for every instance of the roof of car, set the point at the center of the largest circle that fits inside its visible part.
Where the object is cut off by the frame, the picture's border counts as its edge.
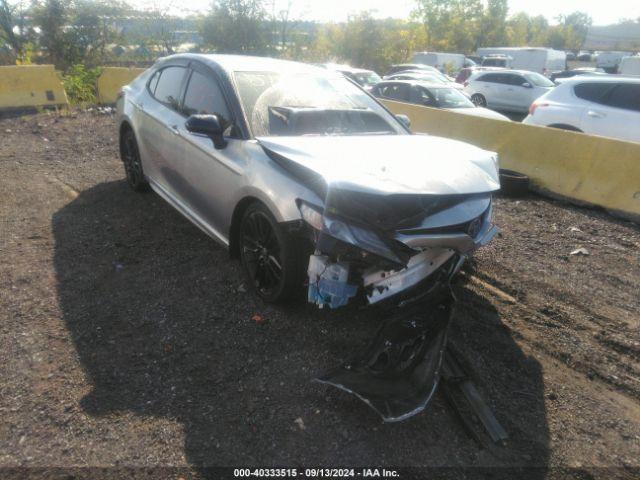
(416, 72)
(232, 63)
(354, 70)
(414, 66)
(502, 70)
(414, 82)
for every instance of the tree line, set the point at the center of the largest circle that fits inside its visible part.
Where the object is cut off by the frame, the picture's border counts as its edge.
(99, 32)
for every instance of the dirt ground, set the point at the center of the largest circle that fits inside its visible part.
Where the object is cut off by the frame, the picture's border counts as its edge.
(127, 337)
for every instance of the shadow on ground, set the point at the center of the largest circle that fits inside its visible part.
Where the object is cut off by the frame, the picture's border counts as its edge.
(164, 330)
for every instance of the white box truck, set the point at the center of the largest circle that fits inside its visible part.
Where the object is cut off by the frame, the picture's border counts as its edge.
(445, 62)
(541, 60)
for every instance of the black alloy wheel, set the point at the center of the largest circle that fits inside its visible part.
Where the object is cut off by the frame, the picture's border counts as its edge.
(130, 156)
(479, 100)
(269, 256)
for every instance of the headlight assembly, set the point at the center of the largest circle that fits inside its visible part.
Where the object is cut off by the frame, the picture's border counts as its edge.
(348, 233)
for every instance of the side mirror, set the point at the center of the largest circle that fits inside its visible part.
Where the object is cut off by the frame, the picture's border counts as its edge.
(406, 121)
(208, 125)
(526, 85)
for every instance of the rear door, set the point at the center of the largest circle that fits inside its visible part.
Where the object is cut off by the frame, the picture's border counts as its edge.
(516, 95)
(159, 118)
(617, 113)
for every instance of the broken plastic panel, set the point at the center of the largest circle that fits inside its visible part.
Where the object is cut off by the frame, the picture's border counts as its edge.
(398, 373)
(328, 282)
(382, 284)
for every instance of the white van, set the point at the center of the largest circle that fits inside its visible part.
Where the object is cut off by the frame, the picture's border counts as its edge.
(610, 61)
(630, 66)
(540, 60)
(442, 61)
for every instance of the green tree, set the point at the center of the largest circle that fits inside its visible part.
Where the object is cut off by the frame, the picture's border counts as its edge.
(52, 16)
(236, 26)
(574, 28)
(91, 30)
(493, 32)
(15, 31)
(450, 25)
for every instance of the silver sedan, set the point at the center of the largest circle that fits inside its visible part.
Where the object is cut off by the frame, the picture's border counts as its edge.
(305, 177)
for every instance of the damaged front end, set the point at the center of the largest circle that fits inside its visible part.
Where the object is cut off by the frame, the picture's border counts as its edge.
(390, 210)
(406, 264)
(391, 233)
(376, 249)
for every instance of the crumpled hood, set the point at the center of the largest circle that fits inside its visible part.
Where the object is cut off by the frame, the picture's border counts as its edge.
(392, 164)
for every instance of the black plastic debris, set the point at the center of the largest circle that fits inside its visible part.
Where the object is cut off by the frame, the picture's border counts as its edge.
(399, 372)
(463, 396)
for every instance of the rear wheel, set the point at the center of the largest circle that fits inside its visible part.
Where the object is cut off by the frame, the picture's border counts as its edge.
(130, 156)
(269, 256)
(479, 100)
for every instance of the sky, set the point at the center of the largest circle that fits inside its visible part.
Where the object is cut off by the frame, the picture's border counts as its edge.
(603, 12)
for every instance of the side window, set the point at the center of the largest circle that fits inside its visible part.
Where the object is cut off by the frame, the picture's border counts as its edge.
(625, 95)
(517, 80)
(593, 92)
(168, 86)
(154, 82)
(422, 96)
(396, 92)
(494, 62)
(493, 78)
(204, 96)
(383, 90)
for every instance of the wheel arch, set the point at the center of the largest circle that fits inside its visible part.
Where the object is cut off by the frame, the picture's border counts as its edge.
(236, 218)
(125, 126)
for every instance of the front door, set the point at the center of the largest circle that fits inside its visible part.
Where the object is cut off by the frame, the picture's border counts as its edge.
(211, 176)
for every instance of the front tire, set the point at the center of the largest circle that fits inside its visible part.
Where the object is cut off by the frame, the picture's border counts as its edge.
(269, 255)
(479, 100)
(130, 156)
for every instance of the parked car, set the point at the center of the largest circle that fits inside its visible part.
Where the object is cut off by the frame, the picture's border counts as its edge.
(556, 76)
(425, 76)
(432, 95)
(301, 173)
(540, 60)
(365, 78)
(607, 106)
(584, 56)
(403, 67)
(499, 61)
(510, 90)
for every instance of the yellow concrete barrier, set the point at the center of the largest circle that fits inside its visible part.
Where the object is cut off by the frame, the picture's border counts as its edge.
(112, 79)
(584, 168)
(30, 86)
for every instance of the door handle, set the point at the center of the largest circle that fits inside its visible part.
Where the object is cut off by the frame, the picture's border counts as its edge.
(140, 105)
(594, 114)
(174, 129)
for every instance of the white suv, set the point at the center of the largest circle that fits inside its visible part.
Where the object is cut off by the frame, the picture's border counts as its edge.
(511, 90)
(606, 106)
